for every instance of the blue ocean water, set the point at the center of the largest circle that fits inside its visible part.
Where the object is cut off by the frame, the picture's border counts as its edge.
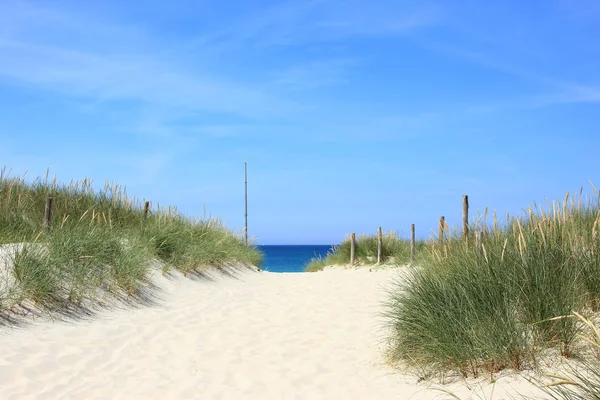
(290, 258)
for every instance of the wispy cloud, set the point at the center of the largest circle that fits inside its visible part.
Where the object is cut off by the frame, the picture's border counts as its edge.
(99, 71)
(316, 74)
(67, 51)
(300, 22)
(533, 55)
(572, 94)
(133, 77)
(571, 91)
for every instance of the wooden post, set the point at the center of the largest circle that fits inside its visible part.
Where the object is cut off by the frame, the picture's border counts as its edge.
(352, 248)
(466, 217)
(146, 209)
(441, 229)
(379, 244)
(48, 213)
(412, 243)
(246, 203)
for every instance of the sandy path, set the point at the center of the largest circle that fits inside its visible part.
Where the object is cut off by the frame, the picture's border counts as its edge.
(257, 336)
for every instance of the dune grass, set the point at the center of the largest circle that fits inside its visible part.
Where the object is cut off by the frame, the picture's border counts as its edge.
(319, 263)
(75, 262)
(579, 380)
(394, 251)
(472, 308)
(100, 240)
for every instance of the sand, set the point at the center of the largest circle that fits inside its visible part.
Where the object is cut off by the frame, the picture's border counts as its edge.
(255, 335)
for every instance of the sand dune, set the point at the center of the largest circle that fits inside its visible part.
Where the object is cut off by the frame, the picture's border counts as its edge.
(253, 336)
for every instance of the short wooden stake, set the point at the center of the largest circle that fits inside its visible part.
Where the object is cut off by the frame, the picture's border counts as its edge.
(466, 217)
(146, 209)
(48, 213)
(412, 243)
(441, 229)
(379, 244)
(352, 248)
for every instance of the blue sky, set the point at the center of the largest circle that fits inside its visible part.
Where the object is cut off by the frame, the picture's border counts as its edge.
(350, 113)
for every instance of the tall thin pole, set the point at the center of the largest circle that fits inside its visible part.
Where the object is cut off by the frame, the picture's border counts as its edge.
(246, 201)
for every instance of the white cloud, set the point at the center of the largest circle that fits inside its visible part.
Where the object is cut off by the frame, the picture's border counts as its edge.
(83, 57)
(136, 77)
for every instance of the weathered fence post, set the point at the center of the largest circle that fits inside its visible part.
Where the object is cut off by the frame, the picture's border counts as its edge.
(466, 217)
(146, 209)
(352, 248)
(441, 229)
(379, 244)
(48, 213)
(412, 243)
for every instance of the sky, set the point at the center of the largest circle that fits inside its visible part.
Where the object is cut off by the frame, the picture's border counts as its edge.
(351, 114)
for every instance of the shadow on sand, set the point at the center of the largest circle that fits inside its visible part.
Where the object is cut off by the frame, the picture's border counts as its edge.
(58, 308)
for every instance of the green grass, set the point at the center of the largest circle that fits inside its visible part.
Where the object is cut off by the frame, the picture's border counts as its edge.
(472, 309)
(394, 251)
(319, 263)
(74, 263)
(100, 241)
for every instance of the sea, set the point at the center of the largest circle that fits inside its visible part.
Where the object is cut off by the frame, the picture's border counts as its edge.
(290, 258)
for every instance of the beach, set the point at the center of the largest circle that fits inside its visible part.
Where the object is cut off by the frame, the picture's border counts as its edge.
(240, 335)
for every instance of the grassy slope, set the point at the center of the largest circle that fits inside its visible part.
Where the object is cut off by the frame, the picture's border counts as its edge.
(394, 250)
(100, 240)
(472, 309)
